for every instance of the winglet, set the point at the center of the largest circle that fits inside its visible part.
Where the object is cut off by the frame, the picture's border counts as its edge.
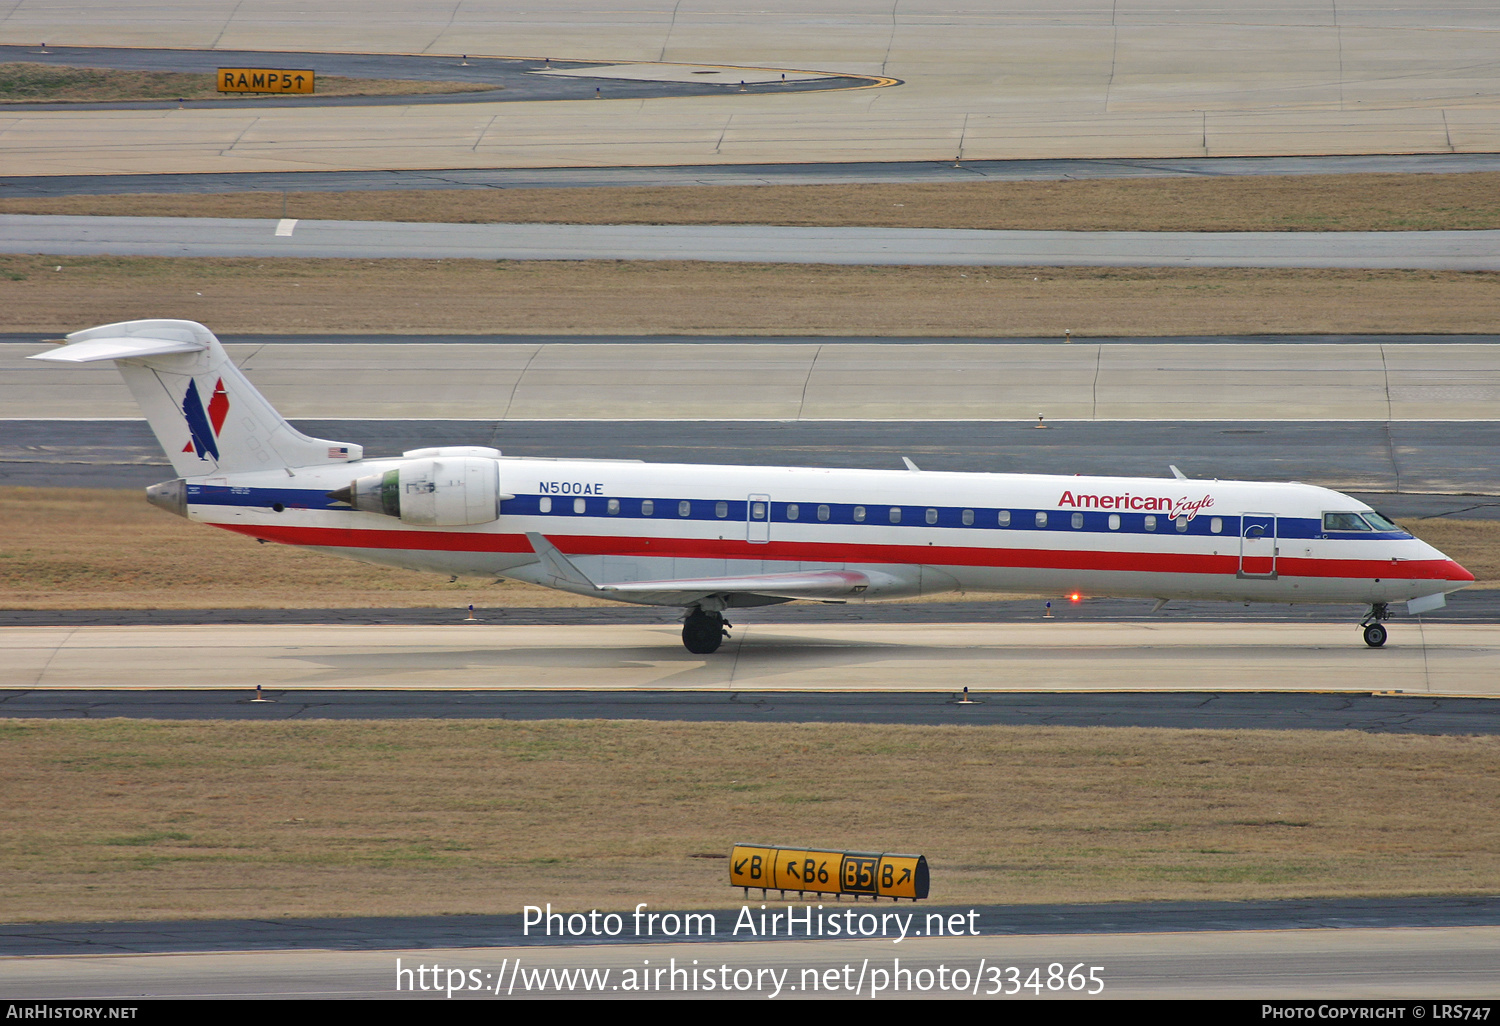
(557, 564)
(1179, 475)
(910, 465)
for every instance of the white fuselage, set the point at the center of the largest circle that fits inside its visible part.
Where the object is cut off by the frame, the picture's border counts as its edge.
(910, 532)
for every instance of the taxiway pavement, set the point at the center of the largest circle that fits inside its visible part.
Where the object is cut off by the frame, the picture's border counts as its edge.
(917, 381)
(1436, 963)
(76, 235)
(848, 173)
(1426, 658)
(1008, 79)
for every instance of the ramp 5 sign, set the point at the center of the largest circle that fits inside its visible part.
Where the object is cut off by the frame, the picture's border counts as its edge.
(264, 80)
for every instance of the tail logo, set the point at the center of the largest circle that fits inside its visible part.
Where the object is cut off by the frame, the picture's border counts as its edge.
(204, 425)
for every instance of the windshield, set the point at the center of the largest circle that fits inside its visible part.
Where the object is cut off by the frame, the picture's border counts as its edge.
(1381, 523)
(1344, 522)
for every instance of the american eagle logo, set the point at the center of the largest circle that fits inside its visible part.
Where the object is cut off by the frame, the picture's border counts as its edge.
(203, 424)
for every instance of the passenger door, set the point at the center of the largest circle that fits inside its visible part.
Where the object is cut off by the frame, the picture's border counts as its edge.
(758, 519)
(1257, 546)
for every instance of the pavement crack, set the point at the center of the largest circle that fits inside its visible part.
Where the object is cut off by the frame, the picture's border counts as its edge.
(222, 28)
(516, 385)
(444, 30)
(891, 40)
(668, 37)
(722, 133)
(802, 402)
(253, 122)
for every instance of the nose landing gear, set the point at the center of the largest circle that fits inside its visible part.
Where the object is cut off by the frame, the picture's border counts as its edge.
(1375, 632)
(703, 631)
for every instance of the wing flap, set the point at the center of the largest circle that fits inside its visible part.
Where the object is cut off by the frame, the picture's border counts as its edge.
(825, 584)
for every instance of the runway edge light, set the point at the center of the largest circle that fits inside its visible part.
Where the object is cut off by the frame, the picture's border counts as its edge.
(821, 871)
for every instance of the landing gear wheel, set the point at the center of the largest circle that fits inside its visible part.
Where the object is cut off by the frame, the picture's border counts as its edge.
(703, 633)
(1374, 635)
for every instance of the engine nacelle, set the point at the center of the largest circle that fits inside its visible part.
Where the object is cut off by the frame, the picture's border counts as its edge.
(446, 492)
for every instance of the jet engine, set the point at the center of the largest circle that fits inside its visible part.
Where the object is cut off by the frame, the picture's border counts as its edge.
(445, 492)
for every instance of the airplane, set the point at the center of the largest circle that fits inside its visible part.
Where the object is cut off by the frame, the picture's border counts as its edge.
(708, 539)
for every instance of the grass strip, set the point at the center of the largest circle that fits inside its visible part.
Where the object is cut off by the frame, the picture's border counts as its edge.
(55, 295)
(135, 819)
(1262, 203)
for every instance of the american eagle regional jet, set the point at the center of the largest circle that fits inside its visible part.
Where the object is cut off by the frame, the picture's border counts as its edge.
(708, 538)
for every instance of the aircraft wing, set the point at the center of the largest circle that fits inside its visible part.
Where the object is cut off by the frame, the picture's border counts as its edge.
(807, 584)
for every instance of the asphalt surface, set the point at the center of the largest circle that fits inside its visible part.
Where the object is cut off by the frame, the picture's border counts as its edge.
(465, 931)
(1377, 714)
(513, 79)
(75, 235)
(1468, 606)
(1061, 169)
(1402, 468)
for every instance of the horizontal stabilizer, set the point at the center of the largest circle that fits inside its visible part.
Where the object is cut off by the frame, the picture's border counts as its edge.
(120, 348)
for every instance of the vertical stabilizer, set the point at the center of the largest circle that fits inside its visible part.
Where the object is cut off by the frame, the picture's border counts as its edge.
(204, 412)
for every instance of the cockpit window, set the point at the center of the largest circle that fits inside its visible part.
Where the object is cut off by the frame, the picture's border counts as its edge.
(1381, 523)
(1344, 522)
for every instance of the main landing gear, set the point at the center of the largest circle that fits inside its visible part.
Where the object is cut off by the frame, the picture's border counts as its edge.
(703, 632)
(1375, 633)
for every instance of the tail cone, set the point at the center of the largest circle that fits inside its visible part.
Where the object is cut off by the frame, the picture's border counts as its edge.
(344, 495)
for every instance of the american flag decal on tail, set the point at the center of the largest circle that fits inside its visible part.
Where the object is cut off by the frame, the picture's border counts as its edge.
(338, 452)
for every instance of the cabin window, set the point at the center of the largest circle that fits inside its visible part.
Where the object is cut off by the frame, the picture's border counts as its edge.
(1005, 518)
(757, 511)
(544, 504)
(612, 506)
(580, 505)
(1344, 522)
(1182, 523)
(1216, 525)
(1041, 519)
(895, 514)
(1077, 521)
(1150, 522)
(968, 518)
(792, 512)
(1114, 521)
(648, 508)
(822, 512)
(721, 509)
(859, 514)
(684, 508)
(932, 516)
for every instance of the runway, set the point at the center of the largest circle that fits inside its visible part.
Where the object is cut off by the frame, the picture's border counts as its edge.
(845, 173)
(1428, 657)
(1379, 964)
(73, 235)
(913, 381)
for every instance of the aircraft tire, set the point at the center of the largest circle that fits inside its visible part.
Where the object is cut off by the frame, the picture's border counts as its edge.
(703, 633)
(1375, 635)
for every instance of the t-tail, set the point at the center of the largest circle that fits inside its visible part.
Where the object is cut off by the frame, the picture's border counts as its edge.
(207, 416)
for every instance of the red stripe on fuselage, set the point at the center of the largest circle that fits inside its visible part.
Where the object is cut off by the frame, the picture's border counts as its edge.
(832, 552)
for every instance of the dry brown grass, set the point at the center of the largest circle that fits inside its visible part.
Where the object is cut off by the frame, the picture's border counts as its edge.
(27, 82)
(78, 548)
(1362, 202)
(667, 297)
(129, 819)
